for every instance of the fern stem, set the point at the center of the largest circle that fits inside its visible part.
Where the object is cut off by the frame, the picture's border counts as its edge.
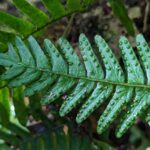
(68, 28)
(89, 79)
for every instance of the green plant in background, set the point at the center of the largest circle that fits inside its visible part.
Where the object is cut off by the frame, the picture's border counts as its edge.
(52, 139)
(36, 19)
(48, 70)
(121, 13)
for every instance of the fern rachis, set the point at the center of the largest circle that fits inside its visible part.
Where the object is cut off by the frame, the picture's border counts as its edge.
(58, 73)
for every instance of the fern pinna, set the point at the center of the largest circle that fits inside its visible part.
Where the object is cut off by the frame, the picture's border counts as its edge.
(60, 70)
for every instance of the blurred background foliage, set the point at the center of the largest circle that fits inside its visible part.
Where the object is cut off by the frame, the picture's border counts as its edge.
(24, 123)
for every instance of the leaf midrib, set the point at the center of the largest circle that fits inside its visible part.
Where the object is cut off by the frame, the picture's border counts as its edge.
(87, 78)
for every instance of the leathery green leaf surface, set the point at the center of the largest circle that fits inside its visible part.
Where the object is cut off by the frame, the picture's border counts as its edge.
(60, 71)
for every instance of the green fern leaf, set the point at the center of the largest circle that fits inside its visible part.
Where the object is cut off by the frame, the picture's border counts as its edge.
(36, 16)
(49, 140)
(73, 4)
(55, 7)
(35, 19)
(59, 70)
(20, 26)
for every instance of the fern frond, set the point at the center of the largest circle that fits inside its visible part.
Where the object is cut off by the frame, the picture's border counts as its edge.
(35, 19)
(51, 139)
(60, 70)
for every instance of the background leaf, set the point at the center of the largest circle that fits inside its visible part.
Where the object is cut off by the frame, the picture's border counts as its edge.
(20, 105)
(4, 106)
(120, 11)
